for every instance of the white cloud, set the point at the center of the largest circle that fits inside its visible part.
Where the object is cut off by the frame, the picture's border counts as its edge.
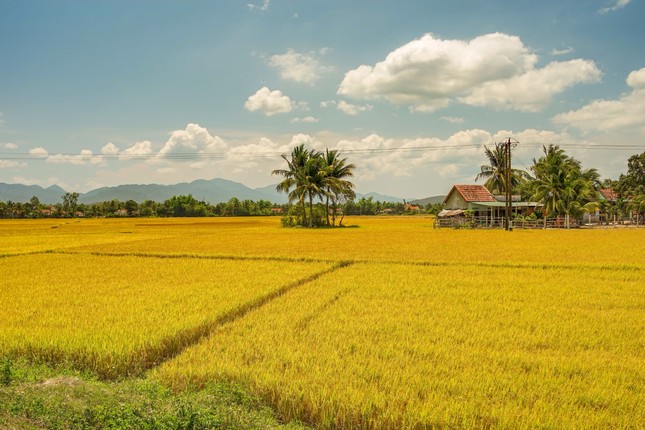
(452, 119)
(193, 140)
(626, 113)
(86, 156)
(10, 164)
(10, 145)
(534, 89)
(110, 149)
(563, 51)
(429, 73)
(305, 68)
(352, 109)
(138, 149)
(268, 102)
(307, 119)
(616, 4)
(262, 7)
(39, 152)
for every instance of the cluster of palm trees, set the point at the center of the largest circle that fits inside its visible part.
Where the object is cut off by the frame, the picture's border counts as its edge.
(316, 176)
(557, 180)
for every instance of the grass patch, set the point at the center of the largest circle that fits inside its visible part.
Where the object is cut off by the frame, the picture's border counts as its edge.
(40, 396)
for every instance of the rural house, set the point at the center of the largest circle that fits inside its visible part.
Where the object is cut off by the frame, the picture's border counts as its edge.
(487, 209)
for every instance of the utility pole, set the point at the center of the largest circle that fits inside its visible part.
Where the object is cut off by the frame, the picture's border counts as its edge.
(509, 188)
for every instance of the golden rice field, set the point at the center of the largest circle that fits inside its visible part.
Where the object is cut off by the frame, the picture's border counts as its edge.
(391, 324)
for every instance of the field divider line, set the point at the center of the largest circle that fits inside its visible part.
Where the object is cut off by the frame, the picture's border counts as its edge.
(174, 345)
(492, 265)
(543, 266)
(198, 256)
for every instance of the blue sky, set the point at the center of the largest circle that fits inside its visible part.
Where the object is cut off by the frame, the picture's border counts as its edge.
(101, 93)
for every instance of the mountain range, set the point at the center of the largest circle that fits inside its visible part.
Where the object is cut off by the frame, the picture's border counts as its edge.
(212, 191)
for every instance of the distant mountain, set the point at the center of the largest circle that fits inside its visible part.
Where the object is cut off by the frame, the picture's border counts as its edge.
(428, 200)
(212, 191)
(23, 193)
(380, 197)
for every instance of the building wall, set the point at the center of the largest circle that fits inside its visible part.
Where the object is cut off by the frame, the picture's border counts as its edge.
(456, 201)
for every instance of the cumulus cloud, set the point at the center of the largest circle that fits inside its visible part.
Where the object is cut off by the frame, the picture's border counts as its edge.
(138, 150)
(268, 102)
(86, 156)
(39, 152)
(110, 149)
(533, 90)
(10, 145)
(352, 109)
(430, 73)
(192, 140)
(626, 113)
(616, 4)
(299, 67)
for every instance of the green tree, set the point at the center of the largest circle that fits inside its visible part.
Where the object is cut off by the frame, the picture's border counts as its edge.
(70, 203)
(337, 187)
(293, 181)
(495, 171)
(312, 175)
(561, 184)
(633, 182)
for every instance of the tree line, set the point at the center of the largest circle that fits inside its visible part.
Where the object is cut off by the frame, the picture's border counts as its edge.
(176, 206)
(565, 188)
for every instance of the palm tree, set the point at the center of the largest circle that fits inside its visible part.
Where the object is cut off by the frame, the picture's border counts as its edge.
(336, 186)
(293, 177)
(314, 181)
(561, 185)
(495, 171)
(637, 205)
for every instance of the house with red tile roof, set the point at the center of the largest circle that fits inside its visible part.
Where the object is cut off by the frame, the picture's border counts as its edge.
(608, 194)
(486, 207)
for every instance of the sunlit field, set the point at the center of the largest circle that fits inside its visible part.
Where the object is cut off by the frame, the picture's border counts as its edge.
(386, 324)
(120, 315)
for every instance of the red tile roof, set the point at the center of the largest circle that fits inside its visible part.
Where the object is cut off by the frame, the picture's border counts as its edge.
(608, 194)
(473, 193)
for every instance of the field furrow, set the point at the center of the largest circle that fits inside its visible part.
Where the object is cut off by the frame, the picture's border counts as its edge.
(398, 346)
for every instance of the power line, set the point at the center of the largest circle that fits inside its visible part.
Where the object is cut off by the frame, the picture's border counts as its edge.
(24, 156)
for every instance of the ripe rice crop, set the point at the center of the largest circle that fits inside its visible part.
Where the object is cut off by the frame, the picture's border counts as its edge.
(390, 346)
(388, 324)
(385, 239)
(119, 315)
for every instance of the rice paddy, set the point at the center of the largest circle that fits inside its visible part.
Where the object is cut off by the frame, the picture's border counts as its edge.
(391, 324)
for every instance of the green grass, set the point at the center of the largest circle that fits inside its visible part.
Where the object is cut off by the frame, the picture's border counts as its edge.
(40, 396)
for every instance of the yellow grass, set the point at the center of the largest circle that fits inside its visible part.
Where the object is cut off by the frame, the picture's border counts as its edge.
(397, 346)
(118, 315)
(424, 328)
(390, 239)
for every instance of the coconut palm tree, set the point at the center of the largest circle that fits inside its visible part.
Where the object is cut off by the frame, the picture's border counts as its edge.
(293, 177)
(495, 171)
(561, 185)
(336, 185)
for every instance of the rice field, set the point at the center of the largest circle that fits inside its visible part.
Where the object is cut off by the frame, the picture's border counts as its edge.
(388, 324)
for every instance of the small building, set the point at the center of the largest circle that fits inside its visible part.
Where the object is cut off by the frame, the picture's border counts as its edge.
(487, 209)
(608, 194)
